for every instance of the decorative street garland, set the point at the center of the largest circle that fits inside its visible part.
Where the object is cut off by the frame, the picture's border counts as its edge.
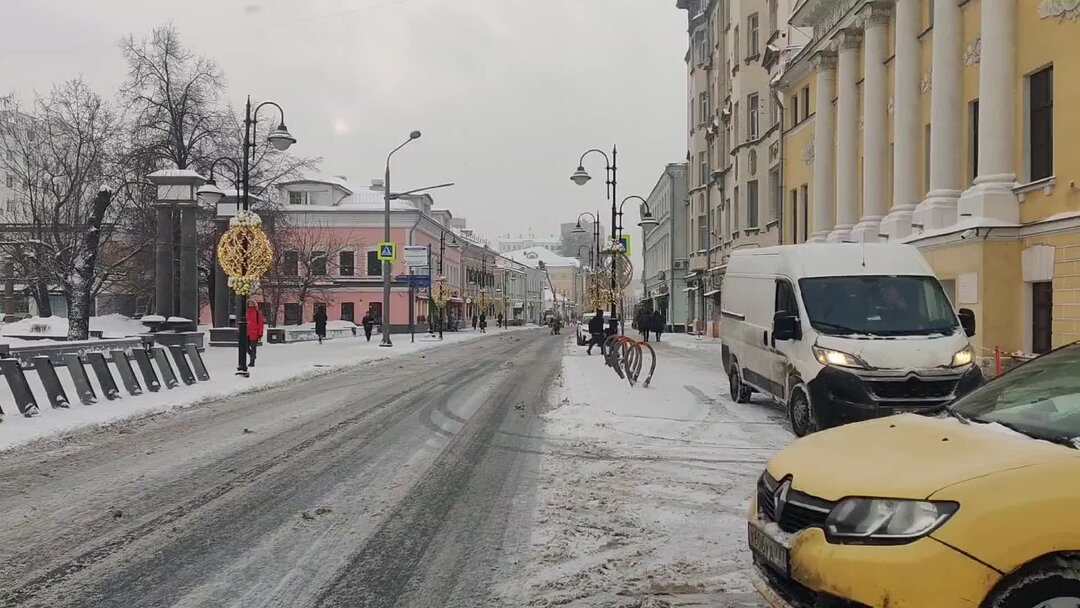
(245, 253)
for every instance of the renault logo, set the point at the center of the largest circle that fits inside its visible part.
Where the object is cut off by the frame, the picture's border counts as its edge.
(780, 499)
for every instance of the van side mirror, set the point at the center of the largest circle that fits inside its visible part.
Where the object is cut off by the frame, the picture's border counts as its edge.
(786, 326)
(967, 321)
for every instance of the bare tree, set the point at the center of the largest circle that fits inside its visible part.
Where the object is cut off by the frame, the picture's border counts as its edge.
(306, 258)
(64, 155)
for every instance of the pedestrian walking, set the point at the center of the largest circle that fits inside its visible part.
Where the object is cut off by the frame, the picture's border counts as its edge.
(369, 324)
(659, 323)
(475, 322)
(483, 323)
(320, 322)
(596, 333)
(256, 323)
(643, 323)
(499, 320)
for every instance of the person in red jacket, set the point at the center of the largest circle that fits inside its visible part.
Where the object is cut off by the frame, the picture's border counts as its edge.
(255, 325)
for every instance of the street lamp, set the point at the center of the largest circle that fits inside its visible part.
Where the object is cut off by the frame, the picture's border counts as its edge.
(581, 177)
(647, 219)
(388, 266)
(442, 252)
(281, 139)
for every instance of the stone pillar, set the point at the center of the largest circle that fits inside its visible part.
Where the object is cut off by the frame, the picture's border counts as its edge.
(847, 135)
(875, 122)
(946, 106)
(907, 152)
(176, 190)
(992, 195)
(824, 146)
(9, 291)
(222, 292)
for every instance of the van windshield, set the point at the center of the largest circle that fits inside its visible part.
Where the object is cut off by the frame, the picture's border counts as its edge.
(878, 305)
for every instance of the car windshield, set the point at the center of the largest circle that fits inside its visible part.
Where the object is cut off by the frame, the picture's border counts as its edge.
(1040, 398)
(878, 305)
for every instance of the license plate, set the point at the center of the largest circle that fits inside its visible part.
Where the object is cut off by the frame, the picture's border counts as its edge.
(768, 549)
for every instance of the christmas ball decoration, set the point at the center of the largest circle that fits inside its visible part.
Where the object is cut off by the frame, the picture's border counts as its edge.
(245, 253)
(441, 293)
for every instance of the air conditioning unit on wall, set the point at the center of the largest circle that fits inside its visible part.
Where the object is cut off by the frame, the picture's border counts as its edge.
(680, 265)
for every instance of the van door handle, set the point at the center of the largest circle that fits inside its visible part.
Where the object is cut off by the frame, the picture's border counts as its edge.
(765, 337)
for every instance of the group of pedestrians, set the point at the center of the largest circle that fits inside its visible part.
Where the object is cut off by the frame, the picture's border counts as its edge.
(654, 322)
(480, 321)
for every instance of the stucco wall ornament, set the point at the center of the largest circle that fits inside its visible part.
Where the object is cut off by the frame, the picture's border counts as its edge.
(892, 106)
(973, 53)
(926, 83)
(808, 154)
(1060, 9)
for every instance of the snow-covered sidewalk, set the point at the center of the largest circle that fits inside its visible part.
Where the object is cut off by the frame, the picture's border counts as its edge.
(643, 492)
(276, 364)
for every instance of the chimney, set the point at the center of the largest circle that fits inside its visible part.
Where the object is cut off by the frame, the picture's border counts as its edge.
(377, 184)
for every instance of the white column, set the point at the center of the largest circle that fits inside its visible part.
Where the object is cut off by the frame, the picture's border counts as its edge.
(824, 146)
(992, 195)
(938, 209)
(906, 124)
(875, 122)
(847, 135)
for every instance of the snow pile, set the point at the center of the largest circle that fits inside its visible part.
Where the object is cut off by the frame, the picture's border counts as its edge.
(276, 364)
(111, 326)
(643, 492)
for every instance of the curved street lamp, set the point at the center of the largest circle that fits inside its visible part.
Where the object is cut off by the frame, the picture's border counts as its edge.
(388, 266)
(581, 177)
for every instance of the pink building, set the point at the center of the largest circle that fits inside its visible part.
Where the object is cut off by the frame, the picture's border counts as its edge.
(328, 236)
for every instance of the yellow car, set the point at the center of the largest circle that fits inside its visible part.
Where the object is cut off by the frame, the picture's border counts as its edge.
(979, 506)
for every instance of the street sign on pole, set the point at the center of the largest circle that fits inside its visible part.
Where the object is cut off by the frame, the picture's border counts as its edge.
(387, 252)
(416, 255)
(625, 239)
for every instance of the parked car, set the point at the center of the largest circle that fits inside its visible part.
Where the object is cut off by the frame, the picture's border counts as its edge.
(977, 506)
(843, 332)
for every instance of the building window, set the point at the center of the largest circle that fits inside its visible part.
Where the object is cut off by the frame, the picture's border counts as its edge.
(735, 225)
(10, 180)
(703, 100)
(347, 263)
(795, 216)
(774, 20)
(1041, 124)
(806, 102)
(735, 119)
(752, 204)
(776, 195)
(926, 158)
(294, 313)
(296, 198)
(973, 140)
(727, 220)
(703, 233)
(292, 264)
(703, 169)
(318, 263)
(752, 35)
(804, 195)
(795, 110)
(735, 46)
(348, 311)
(1042, 316)
(374, 265)
(752, 106)
(11, 205)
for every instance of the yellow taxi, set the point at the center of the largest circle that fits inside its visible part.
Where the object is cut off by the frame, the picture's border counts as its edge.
(978, 506)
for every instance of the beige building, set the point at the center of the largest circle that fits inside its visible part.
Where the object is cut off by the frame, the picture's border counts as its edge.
(735, 176)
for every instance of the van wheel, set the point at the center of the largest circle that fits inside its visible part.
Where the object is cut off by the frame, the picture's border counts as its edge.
(739, 391)
(803, 419)
(1053, 582)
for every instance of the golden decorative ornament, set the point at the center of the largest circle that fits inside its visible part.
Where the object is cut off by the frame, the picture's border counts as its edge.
(245, 254)
(441, 293)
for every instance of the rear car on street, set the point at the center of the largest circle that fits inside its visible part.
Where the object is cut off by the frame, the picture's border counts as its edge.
(978, 506)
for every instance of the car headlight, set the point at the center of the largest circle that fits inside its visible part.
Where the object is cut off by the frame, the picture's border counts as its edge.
(828, 356)
(885, 521)
(963, 357)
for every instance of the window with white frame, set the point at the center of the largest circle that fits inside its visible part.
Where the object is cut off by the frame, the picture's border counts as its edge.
(753, 34)
(752, 204)
(703, 169)
(296, 198)
(1040, 124)
(753, 103)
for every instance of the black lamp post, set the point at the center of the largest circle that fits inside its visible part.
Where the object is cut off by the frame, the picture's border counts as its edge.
(647, 219)
(595, 259)
(442, 252)
(281, 139)
(581, 177)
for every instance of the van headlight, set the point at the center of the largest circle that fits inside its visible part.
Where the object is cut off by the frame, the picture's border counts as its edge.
(885, 521)
(836, 358)
(963, 357)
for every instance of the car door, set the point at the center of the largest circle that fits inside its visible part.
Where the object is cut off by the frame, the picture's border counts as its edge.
(776, 351)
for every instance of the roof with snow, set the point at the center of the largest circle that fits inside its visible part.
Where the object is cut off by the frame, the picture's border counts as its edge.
(532, 257)
(331, 180)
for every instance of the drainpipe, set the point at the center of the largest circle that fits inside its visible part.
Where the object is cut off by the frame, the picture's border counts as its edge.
(783, 188)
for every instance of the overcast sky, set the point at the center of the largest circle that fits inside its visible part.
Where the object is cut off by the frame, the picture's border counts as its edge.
(507, 93)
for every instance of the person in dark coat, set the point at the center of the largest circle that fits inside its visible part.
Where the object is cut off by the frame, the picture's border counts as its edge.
(483, 323)
(475, 322)
(659, 322)
(644, 323)
(596, 332)
(499, 320)
(256, 323)
(320, 323)
(369, 324)
(613, 328)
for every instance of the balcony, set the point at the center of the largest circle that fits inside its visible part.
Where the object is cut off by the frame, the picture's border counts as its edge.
(698, 261)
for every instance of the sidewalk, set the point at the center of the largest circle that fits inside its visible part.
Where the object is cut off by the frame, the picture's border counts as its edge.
(276, 364)
(643, 492)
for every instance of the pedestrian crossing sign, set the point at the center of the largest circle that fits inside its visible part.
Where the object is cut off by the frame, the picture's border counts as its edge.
(387, 252)
(625, 240)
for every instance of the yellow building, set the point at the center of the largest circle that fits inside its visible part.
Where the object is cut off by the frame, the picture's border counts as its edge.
(929, 122)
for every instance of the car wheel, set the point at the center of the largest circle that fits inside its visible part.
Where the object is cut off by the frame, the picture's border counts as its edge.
(803, 418)
(740, 393)
(1053, 582)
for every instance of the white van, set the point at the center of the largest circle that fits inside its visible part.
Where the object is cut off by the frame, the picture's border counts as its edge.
(841, 332)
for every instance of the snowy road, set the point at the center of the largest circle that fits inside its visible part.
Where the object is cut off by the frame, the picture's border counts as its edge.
(401, 483)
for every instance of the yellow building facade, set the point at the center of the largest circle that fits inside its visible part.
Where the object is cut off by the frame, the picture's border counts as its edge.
(939, 123)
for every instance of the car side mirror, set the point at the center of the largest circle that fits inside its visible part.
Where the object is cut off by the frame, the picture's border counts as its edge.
(967, 321)
(786, 326)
